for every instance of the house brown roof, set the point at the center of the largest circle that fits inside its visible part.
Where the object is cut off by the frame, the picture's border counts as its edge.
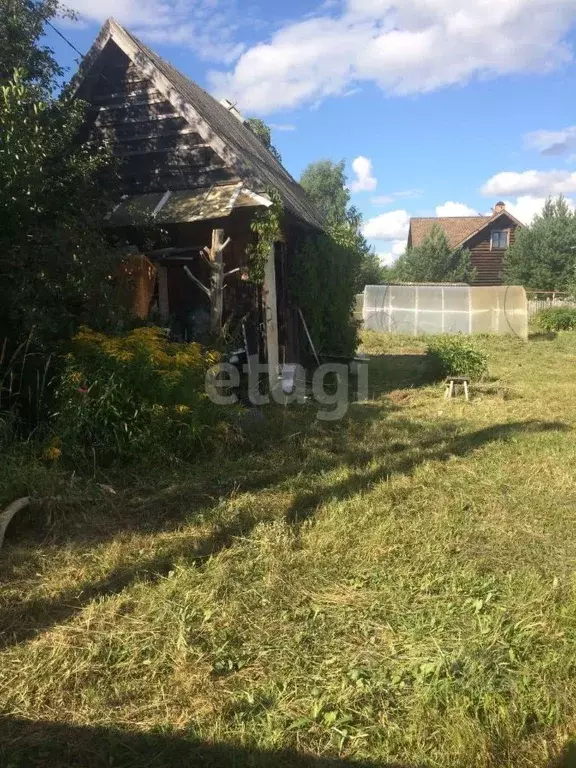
(457, 228)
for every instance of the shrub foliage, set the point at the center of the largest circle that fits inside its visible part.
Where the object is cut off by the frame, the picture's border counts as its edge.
(123, 396)
(557, 319)
(322, 282)
(456, 356)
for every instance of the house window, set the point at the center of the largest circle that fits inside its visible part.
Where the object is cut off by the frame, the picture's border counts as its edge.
(499, 239)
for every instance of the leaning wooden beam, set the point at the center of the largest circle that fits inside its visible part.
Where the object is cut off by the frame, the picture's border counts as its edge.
(198, 282)
(8, 514)
(173, 251)
(309, 337)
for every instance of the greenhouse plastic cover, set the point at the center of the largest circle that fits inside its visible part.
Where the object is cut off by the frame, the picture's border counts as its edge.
(431, 309)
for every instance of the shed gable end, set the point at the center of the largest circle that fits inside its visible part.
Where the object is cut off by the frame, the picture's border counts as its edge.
(158, 148)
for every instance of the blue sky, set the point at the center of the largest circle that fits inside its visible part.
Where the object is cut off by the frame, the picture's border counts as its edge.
(438, 106)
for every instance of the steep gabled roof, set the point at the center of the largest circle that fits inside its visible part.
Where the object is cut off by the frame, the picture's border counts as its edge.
(458, 229)
(233, 141)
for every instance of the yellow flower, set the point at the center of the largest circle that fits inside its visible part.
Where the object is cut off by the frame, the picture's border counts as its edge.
(182, 409)
(52, 453)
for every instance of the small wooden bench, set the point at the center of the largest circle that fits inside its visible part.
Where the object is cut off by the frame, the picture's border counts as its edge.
(452, 382)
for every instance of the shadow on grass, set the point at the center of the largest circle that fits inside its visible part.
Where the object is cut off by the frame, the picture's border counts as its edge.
(31, 744)
(405, 446)
(542, 336)
(568, 757)
(403, 459)
(391, 372)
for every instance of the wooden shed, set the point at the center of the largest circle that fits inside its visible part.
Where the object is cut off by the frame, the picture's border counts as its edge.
(192, 169)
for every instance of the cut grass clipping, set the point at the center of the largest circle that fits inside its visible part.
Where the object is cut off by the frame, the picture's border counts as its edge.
(396, 588)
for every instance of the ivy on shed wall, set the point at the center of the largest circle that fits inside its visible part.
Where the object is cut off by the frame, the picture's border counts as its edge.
(267, 229)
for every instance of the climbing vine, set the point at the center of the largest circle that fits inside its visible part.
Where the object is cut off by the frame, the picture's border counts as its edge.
(266, 227)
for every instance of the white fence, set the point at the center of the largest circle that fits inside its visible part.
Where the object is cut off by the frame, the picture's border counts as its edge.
(539, 300)
(429, 309)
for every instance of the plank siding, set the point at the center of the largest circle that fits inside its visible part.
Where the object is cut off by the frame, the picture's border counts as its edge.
(156, 147)
(489, 264)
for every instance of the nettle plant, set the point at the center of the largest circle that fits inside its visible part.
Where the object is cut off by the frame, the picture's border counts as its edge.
(456, 356)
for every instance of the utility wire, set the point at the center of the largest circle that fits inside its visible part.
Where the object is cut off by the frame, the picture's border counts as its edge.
(65, 39)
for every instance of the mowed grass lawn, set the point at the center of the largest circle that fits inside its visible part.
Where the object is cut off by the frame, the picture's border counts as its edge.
(397, 588)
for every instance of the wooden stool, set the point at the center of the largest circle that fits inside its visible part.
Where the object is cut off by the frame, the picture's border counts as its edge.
(454, 381)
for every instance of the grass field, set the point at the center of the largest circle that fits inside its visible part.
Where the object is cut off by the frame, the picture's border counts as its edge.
(395, 589)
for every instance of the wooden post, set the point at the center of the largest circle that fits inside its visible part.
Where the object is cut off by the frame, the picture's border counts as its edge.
(271, 317)
(217, 280)
(163, 302)
(216, 290)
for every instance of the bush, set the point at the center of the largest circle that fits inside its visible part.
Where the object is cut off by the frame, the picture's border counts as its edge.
(557, 319)
(121, 397)
(456, 356)
(322, 282)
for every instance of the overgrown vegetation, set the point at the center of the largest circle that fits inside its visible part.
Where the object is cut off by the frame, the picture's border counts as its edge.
(266, 228)
(264, 133)
(456, 356)
(557, 319)
(125, 397)
(434, 261)
(322, 284)
(56, 267)
(394, 588)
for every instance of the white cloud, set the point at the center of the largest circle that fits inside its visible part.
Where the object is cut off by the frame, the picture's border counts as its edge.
(552, 142)
(205, 26)
(455, 209)
(535, 183)
(282, 126)
(387, 199)
(404, 47)
(393, 225)
(364, 181)
(389, 257)
(526, 207)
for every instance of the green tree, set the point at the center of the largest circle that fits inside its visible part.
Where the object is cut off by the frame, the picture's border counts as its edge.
(435, 262)
(325, 183)
(543, 255)
(264, 133)
(22, 25)
(56, 267)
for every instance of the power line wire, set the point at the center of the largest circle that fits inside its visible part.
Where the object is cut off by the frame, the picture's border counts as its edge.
(65, 39)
